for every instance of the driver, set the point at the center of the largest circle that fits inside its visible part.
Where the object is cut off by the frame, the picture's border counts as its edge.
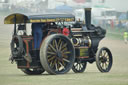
(37, 34)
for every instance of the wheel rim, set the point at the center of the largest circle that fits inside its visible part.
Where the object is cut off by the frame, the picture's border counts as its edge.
(104, 61)
(79, 67)
(59, 54)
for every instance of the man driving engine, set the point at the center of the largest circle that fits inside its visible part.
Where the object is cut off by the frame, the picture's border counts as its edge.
(37, 34)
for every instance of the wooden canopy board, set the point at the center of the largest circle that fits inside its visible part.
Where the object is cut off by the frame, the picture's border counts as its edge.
(22, 18)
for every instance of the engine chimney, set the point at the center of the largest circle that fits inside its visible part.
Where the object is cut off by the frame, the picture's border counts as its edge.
(88, 17)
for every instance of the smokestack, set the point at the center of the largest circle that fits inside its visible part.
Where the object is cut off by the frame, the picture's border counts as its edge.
(88, 17)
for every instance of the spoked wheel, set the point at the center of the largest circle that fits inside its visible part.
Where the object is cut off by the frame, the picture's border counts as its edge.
(79, 66)
(57, 54)
(104, 60)
(33, 71)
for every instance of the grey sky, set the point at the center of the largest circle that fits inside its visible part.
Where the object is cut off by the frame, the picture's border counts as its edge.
(120, 5)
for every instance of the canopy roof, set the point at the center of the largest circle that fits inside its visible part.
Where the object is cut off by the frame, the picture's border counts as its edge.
(27, 18)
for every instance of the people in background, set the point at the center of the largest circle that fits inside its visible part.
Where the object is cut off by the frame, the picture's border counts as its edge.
(125, 37)
(112, 24)
(120, 24)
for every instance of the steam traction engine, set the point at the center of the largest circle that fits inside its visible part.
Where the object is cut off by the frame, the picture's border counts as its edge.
(63, 48)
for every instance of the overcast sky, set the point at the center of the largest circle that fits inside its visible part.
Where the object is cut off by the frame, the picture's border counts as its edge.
(120, 5)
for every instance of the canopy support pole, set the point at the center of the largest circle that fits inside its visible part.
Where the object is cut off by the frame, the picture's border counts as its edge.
(15, 24)
(25, 26)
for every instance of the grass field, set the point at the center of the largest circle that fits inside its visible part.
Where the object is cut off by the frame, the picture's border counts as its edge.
(10, 75)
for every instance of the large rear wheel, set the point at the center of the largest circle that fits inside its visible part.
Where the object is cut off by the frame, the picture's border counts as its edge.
(57, 54)
(33, 71)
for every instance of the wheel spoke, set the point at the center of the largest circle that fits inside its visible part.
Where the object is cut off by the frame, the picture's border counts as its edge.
(100, 62)
(64, 45)
(66, 60)
(108, 57)
(80, 67)
(51, 64)
(105, 54)
(54, 63)
(56, 45)
(52, 53)
(102, 65)
(65, 56)
(100, 58)
(107, 61)
(63, 63)
(60, 46)
(106, 65)
(76, 65)
(82, 64)
(67, 52)
(52, 47)
(56, 67)
(59, 42)
(65, 49)
(61, 66)
(51, 58)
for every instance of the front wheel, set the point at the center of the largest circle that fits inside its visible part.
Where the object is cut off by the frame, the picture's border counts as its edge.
(104, 59)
